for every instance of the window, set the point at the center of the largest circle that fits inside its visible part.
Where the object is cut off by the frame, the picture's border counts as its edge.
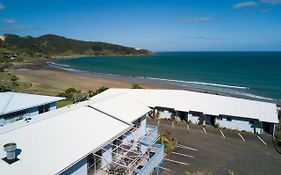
(44, 108)
(228, 119)
(15, 116)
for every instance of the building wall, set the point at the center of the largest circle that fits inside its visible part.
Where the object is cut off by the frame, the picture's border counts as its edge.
(238, 123)
(196, 119)
(137, 134)
(80, 168)
(241, 124)
(164, 114)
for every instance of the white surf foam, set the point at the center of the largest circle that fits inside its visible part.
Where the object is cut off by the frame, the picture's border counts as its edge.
(199, 83)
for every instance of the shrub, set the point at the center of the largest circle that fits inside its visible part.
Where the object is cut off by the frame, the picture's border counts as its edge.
(136, 86)
(167, 141)
(100, 90)
(69, 93)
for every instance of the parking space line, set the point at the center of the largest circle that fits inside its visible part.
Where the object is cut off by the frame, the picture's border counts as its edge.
(262, 140)
(204, 130)
(222, 133)
(185, 155)
(182, 163)
(241, 136)
(164, 168)
(186, 147)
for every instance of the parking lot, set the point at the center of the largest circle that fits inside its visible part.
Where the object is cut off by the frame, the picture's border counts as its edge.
(218, 151)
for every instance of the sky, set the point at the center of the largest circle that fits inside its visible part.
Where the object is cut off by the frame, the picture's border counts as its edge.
(157, 25)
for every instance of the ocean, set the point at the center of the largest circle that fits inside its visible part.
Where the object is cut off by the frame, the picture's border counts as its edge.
(253, 74)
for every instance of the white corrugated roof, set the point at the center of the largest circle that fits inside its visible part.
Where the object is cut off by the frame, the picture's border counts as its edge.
(14, 101)
(54, 142)
(211, 104)
(123, 107)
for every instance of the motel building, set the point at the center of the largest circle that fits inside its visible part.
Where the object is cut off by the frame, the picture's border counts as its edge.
(16, 106)
(96, 137)
(108, 134)
(206, 109)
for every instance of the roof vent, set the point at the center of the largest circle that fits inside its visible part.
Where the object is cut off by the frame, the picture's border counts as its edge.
(10, 149)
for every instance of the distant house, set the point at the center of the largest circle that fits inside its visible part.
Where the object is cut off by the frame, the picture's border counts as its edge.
(16, 106)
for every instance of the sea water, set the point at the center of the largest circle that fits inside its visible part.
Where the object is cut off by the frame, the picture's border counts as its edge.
(256, 74)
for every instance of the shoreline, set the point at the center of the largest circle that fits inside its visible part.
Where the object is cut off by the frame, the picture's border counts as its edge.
(49, 80)
(62, 57)
(45, 76)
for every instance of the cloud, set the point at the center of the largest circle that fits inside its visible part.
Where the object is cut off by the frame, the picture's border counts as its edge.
(9, 21)
(273, 2)
(2, 6)
(246, 4)
(196, 20)
(14, 28)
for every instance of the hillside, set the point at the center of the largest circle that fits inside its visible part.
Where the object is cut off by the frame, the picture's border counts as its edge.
(49, 46)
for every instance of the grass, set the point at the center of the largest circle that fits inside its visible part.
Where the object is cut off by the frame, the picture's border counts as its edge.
(5, 50)
(10, 81)
(64, 102)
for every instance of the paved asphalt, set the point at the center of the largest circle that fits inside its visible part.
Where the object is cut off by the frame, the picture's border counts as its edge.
(211, 151)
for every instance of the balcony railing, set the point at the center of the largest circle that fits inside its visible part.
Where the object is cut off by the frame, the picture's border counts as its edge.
(156, 158)
(151, 135)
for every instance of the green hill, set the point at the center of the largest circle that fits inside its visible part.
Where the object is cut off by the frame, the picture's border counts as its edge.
(48, 46)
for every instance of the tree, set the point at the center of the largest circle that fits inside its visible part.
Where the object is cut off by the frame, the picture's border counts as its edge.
(70, 93)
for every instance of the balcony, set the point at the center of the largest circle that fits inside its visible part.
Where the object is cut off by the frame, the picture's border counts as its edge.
(156, 156)
(151, 135)
(136, 157)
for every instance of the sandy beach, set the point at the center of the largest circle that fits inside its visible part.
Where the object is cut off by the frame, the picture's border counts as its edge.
(49, 80)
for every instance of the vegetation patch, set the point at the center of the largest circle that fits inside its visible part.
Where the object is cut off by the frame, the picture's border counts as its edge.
(73, 95)
(50, 46)
(168, 142)
(10, 82)
(137, 86)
